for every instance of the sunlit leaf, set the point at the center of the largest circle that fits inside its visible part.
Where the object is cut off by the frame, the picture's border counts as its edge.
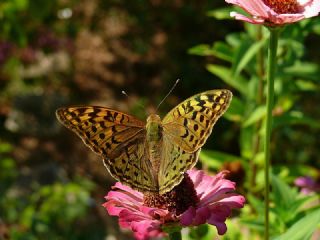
(215, 159)
(255, 116)
(235, 111)
(201, 50)
(220, 13)
(247, 56)
(303, 229)
(283, 196)
(223, 51)
(295, 118)
(225, 74)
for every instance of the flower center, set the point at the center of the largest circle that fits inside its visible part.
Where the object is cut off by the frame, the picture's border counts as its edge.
(284, 6)
(178, 200)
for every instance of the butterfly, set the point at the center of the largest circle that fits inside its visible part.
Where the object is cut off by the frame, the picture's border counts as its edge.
(152, 156)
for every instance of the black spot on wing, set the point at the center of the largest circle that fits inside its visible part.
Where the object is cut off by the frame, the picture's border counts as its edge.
(73, 114)
(122, 118)
(108, 145)
(185, 122)
(94, 129)
(194, 115)
(186, 134)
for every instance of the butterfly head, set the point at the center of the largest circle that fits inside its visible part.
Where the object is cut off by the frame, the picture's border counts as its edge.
(154, 118)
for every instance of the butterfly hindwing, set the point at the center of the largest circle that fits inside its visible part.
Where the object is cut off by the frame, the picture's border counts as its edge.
(119, 138)
(175, 161)
(130, 165)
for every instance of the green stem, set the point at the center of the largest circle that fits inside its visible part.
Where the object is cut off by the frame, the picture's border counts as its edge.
(175, 236)
(256, 143)
(271, 70)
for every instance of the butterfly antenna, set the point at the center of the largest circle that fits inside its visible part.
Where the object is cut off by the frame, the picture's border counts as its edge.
(124, 93)
(174, 85)
(139, 104)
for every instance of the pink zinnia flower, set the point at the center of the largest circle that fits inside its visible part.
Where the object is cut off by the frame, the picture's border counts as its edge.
(276, 12)
(197, 200)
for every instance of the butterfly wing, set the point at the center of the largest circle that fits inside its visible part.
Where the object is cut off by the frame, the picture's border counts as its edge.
(190, 123)
(119, 138)
(174, 162)
(185, 129)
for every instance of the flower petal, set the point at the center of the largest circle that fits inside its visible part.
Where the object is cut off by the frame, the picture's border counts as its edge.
(186, 218)
(216, 201)
(312, 9)
(261, 13)
(241, 17)
(143, 230)
(255, 8)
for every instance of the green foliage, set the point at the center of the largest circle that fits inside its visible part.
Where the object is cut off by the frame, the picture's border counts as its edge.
(303, 228)
(214, 159)
(288, 209)
(51, 210)
(240, 62)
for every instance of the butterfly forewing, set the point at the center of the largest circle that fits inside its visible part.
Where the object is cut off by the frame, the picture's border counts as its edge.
(185, 129)
(119, 138)
(190, 123)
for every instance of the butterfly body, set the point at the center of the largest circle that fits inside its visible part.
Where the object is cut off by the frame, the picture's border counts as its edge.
(151, 156)
(154, 143)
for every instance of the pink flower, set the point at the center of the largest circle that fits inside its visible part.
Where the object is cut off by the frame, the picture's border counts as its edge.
(308, 184)
(276, 12)
(214, 203)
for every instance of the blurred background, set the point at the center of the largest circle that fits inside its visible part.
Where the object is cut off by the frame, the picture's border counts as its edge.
(70, 52)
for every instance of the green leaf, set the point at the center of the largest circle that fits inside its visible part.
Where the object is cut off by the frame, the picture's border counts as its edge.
(303, 69)
(223, 51)
(21, 4)
(220, 13)
(254, 224)
(303, 229)
(255, 116)
(256, 204)
(214, 159)
(199, 232)
(282, 192)
(201, 50)
(219, 50)
(306, 85)
(295, 118)
(225, 75)
(247, 56)
(171, 228)
(5, 147)
(284, 198)
(245, 142)
(236, 110)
